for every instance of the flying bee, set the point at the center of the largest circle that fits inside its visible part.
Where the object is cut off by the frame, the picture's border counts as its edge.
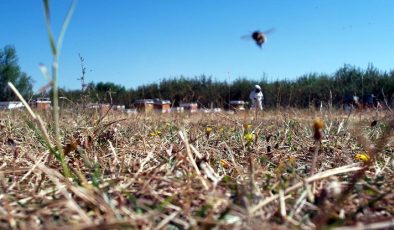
(259, 37)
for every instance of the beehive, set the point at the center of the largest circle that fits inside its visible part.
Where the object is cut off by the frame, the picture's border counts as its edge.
(162, 106)
(189, 107)
(144, 105)
(237, 105)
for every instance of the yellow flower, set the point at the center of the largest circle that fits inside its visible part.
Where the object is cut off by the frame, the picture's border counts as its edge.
(208, 131)
(224, 163)
(249, 137)
(155, 133)
(361, 157)
(318, 124)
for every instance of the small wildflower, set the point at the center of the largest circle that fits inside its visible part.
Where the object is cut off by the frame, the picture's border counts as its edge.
(249, 137)
(155, 133)
(292, 161)
(208, 131)
(318, 125)
(361, 157)
(224, 163)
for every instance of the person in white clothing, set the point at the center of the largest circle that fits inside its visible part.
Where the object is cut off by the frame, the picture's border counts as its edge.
(257, 98)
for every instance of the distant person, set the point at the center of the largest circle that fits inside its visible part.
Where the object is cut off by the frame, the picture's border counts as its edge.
(370, 102)
(356, 101)
(257, 97)
(348, 105)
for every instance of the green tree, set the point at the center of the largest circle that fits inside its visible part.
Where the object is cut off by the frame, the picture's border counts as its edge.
(10, 72)
(109, 92)
(310, 89)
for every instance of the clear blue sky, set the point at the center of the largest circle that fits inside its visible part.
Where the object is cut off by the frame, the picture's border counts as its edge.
(132, 42)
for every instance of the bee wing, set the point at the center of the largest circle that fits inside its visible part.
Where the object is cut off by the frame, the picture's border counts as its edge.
(246, 37)
(269, 31)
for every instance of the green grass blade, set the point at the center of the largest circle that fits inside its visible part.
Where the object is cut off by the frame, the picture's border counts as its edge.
(46, 8)
(48, 25)
(65, 24)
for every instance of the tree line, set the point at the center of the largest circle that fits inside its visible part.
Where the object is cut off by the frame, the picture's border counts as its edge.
(307, 90)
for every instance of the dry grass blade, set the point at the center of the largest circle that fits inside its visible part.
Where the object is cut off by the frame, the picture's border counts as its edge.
(379, 225)
(316, 177)
(163, 172)
(192, 161)
(166, 220)
(56, 178)
(373, 151)
(35, 117)
(282, 203)
(28, 173)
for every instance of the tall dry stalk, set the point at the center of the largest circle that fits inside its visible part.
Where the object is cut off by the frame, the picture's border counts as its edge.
(55, 48)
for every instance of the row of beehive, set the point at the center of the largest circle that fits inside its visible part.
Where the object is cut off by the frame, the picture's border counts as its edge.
(39, 103)
(164, 106)
(142, 105)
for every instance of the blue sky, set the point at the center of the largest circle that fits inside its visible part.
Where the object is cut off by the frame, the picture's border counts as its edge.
(132, 42)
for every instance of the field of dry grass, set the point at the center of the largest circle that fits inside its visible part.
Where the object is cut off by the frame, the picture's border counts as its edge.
(202, 171)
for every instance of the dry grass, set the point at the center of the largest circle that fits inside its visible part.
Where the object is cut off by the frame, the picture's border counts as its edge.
(169, 171)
